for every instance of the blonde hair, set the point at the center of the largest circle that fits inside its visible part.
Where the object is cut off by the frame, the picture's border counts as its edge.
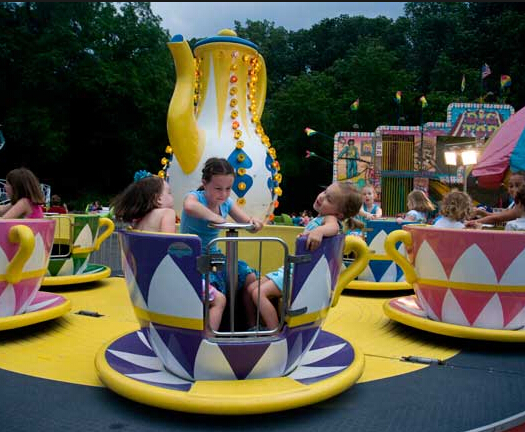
(369, 186)
(456, 205)
(417, 200)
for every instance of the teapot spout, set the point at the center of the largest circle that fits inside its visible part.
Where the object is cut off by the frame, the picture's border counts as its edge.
(185, 138)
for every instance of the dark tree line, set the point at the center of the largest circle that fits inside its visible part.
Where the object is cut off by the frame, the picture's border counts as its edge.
(85, 87)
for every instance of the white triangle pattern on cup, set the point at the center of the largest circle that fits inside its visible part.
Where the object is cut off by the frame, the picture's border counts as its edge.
(296, 351)
(29, 299)
(316, 290)
(3, 261)
(186, 304)
(165, 355)
(67, 268)
(427, 258)
(272, 362)
(517, 321)
(218, 369)
(491, 316)
(7, 301)
(37, 260)
(426, 307)
(514, 273)
(452, 312)
(473, 266)
(84, 238)
(133, 289)
(390, 274)
(378, 243)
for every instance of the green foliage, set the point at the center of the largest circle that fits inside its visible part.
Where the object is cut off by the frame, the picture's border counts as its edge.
(85, 87)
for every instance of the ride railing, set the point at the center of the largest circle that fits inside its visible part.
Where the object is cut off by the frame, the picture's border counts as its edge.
(4, 199)
(235, 321)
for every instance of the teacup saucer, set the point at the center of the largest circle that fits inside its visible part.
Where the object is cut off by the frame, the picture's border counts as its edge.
(362, 285)
(45, 306)
(128, 366)
(93, 272)
(407, 310)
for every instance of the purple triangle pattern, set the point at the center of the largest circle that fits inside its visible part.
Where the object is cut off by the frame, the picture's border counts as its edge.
(241, 359)
(130, 343)
(294, 350)
(307, 333)
(148, 250)
(182, 343)
(344, 357)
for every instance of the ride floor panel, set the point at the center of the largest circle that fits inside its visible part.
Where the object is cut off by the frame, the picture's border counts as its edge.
(48, 376)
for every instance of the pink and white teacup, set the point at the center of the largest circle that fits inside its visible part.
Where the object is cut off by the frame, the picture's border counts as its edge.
(25, 247)
(466, 277)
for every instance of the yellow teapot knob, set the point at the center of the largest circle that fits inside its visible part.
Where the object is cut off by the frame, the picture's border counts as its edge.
(226, 32)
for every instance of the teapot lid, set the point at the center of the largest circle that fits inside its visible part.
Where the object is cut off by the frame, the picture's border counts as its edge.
(229, 36)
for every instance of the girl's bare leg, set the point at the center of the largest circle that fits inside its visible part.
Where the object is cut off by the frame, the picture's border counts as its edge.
(217, 306)
(268, 289)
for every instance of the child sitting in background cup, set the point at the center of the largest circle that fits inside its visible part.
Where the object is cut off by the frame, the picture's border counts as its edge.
(516, 180)
(419, 206)
(455, 208)
(519, 207)
(369, 209)
(27, 199)
(147, 204)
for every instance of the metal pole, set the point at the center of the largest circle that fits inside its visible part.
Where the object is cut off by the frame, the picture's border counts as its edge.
(231, 265)
(421, 144)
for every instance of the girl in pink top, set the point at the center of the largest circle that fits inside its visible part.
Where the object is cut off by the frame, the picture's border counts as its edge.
(25, 194)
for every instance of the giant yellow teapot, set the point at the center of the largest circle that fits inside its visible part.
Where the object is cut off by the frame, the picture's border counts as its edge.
(215, 111)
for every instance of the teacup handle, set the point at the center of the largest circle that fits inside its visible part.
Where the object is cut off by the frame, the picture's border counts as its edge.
(110, 227)
(358, 246)
(390, 248)
(23, 235)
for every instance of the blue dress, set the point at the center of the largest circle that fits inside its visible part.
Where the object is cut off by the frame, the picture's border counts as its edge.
(193, 225)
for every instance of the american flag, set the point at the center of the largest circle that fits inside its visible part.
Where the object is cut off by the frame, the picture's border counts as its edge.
(485, 71)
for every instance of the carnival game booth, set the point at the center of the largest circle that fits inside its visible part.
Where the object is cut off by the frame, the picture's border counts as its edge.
(176, 361)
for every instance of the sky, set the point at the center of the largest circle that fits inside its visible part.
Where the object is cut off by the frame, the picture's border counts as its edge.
(200, 20)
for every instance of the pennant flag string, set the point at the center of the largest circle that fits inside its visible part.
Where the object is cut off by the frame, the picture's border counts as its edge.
(398, 96)
(310, 132)
(505, 81)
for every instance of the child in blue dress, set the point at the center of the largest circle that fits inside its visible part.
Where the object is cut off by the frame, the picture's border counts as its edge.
(211, 202)
(339, 202)
(369, 209)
